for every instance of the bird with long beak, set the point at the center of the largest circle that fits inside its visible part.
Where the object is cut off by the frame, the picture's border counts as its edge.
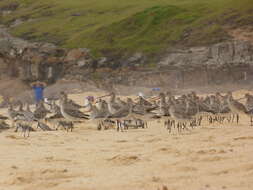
(71, 114)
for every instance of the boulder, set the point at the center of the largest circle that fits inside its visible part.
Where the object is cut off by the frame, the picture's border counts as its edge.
(102, 61)
(5, 46)
(136, 57)
(82, 63)
(76, 54)
(52, 60)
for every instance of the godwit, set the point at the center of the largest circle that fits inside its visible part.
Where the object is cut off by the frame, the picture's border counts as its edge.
(235, 106)
(70, 114)
(180, 117)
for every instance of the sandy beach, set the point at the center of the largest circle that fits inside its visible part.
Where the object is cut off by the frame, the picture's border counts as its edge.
(211, 157)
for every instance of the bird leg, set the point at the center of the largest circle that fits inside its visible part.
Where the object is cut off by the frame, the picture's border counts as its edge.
(229, 118)
(99, 127)
(237, 118)
(222, 119)
(178, 130)
(200, 120)
(16, 130)
(218, 119)
(166, 124)
(57, 126)
(210, 120)
(185, 126)
(143, 124)
(174, 123)
(28, 133)
(192, 123)
(23, 131)
(123, 126)
(117, 123)
(169, 129)
(233, 118)
(120, 125)
(179, 127)
(169, 124)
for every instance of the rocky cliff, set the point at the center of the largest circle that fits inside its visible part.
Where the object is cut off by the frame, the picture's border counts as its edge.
(37, 61)
(227, 62)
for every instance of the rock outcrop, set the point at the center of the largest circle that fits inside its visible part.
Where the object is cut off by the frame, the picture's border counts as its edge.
(227, 62)
(38, 61)
(223, 63)
(227, 53)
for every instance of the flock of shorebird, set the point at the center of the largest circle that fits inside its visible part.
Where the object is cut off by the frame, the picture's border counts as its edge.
(179, 113)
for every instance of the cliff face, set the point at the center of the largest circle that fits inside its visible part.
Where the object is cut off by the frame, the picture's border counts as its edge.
(229, 62)
(229, 53)
(37, 61)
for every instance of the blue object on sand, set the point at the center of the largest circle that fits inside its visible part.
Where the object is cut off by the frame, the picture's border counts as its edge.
(156, 89)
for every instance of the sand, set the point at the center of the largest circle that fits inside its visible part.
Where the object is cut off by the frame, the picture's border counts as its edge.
(211, 157)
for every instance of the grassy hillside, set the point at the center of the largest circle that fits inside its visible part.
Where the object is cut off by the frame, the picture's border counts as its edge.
(117, 26)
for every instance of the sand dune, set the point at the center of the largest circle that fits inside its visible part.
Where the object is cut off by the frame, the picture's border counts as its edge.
(212, 157)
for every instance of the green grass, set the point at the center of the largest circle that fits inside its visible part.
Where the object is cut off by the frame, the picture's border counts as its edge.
(121, 27)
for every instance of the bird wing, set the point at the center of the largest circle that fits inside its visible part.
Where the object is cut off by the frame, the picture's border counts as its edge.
(151, 108)
(116, 106)
(71, 104)
(120, 113)
(56, 116)
(139, 109)
(3, 117)
(44, 127)
(12, 114)
(145, 102)
(77, 113)
(4, 126)
(240, 106)
(39, 114)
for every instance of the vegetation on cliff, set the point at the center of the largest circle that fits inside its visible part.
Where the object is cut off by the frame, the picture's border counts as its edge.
(116, 26)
